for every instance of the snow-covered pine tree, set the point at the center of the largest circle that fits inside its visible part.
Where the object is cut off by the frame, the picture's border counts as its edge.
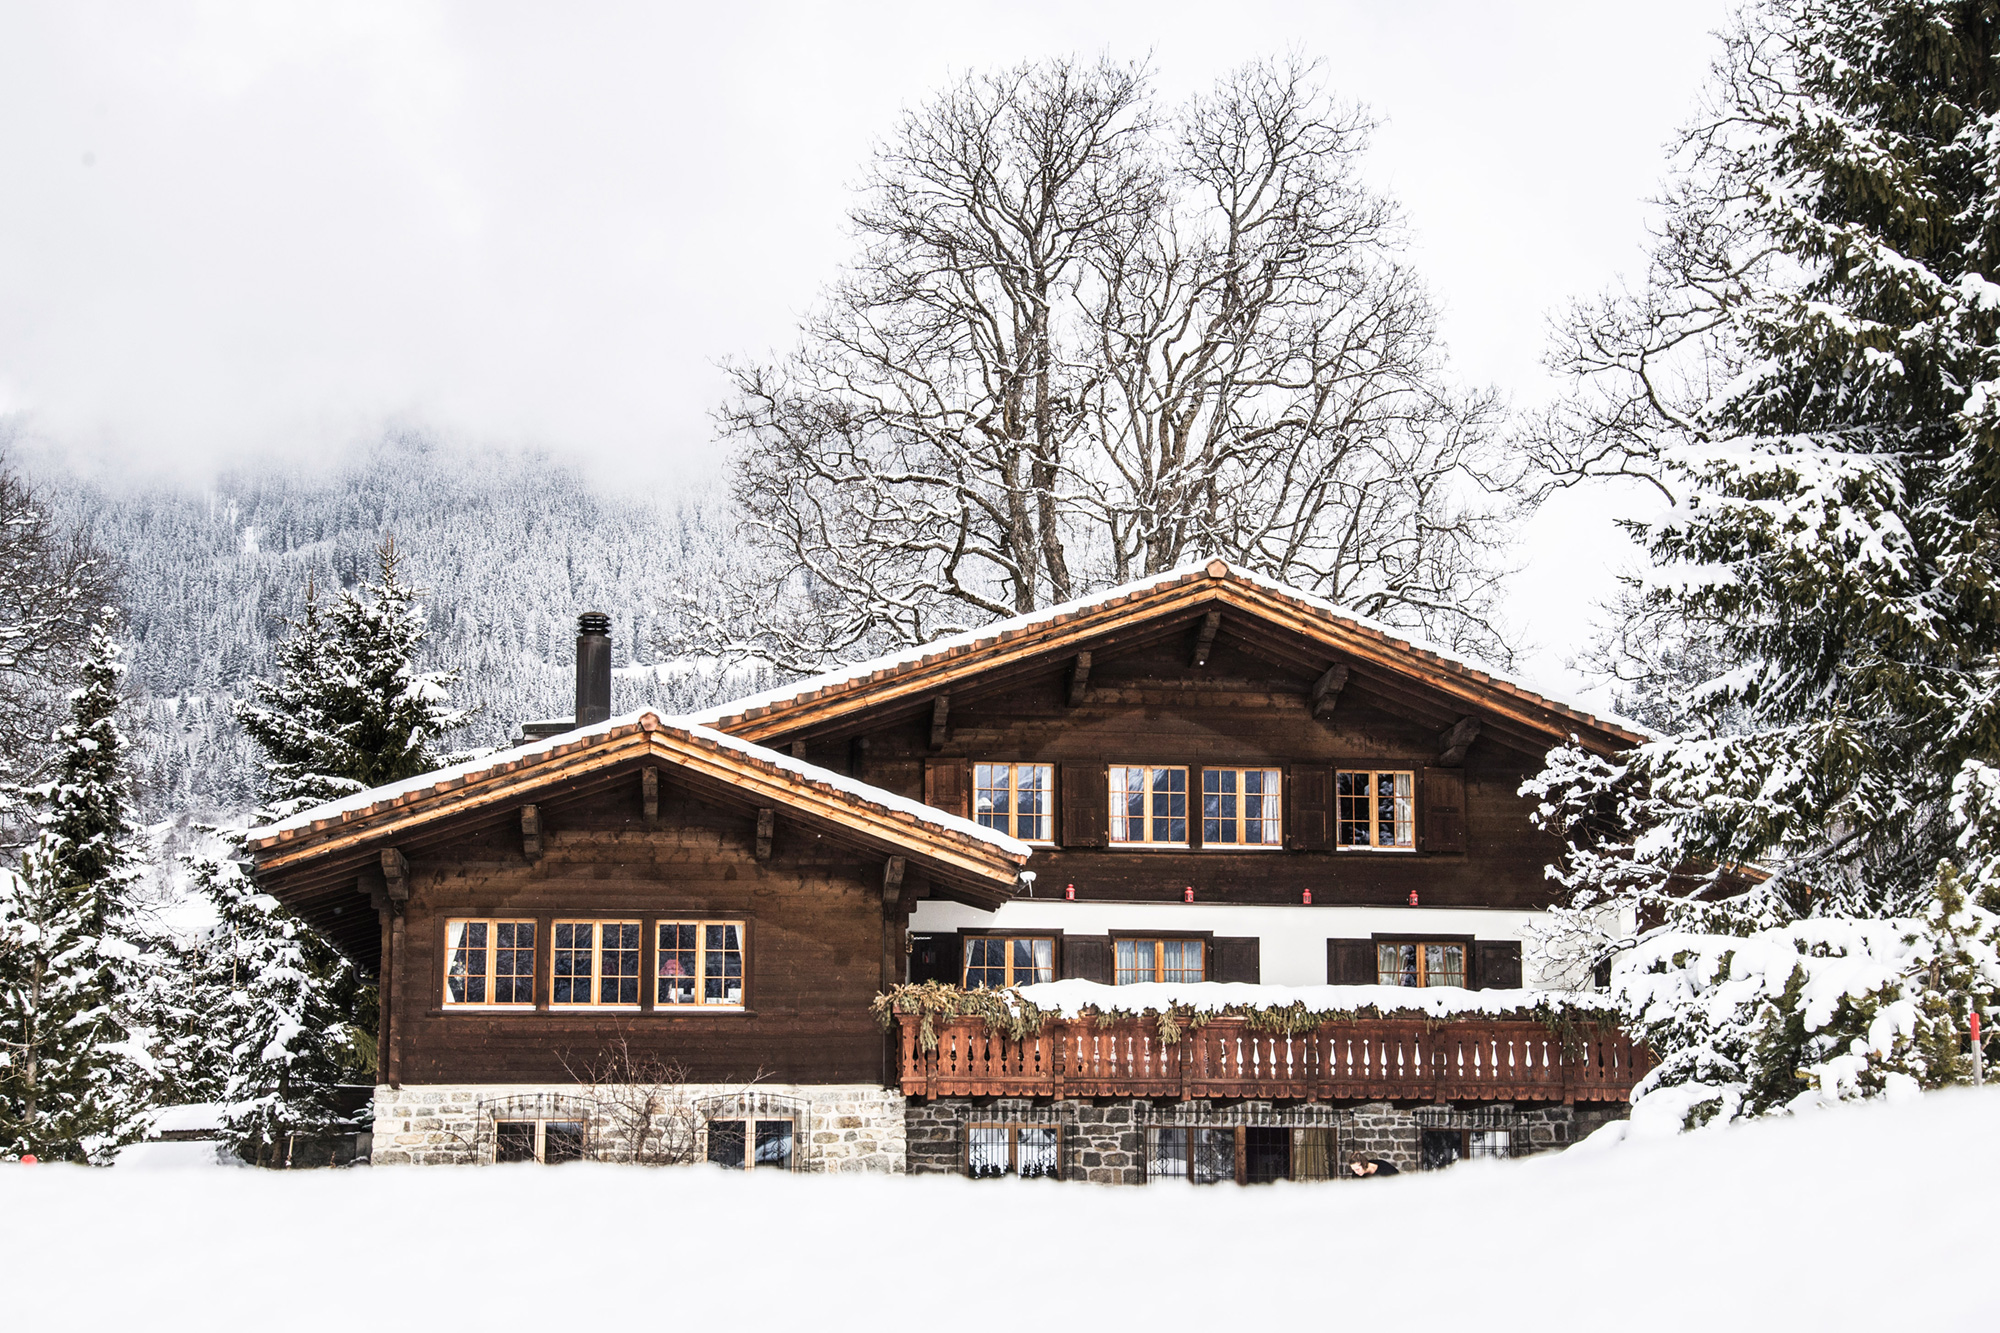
(350, 710)
(1811, 375)
(73, 1072)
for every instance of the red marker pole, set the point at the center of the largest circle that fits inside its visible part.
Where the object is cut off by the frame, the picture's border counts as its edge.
(1978, 1054)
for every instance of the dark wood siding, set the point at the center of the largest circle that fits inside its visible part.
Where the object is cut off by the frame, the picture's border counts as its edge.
(815, 939)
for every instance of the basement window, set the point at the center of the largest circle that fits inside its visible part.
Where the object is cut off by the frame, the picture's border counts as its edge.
(489, 963)
(750, 1144)
(595, 963)
(700, 964)
(1032, 1152)
(1196, 1154)
(551, 1142)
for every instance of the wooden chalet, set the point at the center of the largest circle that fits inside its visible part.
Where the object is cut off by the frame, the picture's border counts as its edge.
(1206, 777)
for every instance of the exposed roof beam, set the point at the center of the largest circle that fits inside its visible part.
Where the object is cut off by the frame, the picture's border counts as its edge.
(940, 716)
(1453, 744)
(531, 831)
(1079, 678)
(1204, 639)
(767, 827)
(1326, 690)
(649, 794)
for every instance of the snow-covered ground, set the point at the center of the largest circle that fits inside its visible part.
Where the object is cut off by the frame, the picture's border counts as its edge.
(1875, 1217)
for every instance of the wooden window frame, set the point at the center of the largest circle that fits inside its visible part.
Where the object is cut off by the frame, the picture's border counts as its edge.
(492, 924)
(1159, 943)
(749, 1121)
(1013, 1128)
(541, 1124)
(1374, 823)
(1014, 767)
(965, 939)
(1276, 844)
(1463, 942)
(652, 932)
(1115, 796)
(596, 924)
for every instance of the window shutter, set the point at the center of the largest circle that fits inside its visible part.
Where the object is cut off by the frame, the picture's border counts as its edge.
(1310, 819)
(1497, 965)
(1350, 962)
(1444, 810)
(1086, 958)
(1237, 958)
(1085, 805)
(948, 786)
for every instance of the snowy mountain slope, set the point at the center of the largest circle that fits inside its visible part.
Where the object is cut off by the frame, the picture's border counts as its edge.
(1865, 1217)
(511, 546)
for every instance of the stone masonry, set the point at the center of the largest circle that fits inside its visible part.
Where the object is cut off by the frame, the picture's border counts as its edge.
(838, 1128)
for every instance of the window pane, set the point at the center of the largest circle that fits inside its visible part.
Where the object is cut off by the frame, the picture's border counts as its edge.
(618, 964)
(1169, 805)
(1182, 960)
(573, 950)
(1489, 1143)
(1261, 815)
(1212, 1156)
(514, 963)
(1045, 961)
(1035, 1150)
(1031, 801)
(562, 1141)
(1267, 1154)
(725, 1143)
(514, 1141)
(676, 963)
(985, 962)
(1133, 961)
(1444, 964)
(990, 795)
(1351, 809)
(986, 1151)
(1406, 817)
(1396, 964)
(774, 1143)
(1166, 1154)
(1128, 805)
(465, 975)
(1218, 805)
(722, 964)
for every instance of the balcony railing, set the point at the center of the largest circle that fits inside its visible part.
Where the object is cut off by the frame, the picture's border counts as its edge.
(1458, 1060)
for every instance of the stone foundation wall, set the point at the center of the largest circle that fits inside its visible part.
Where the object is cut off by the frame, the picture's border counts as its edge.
(1104, 1141)
(838, 1128)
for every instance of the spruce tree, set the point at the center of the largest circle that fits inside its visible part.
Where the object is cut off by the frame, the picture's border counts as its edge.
(1811, 377)
(349, 710)
(73, 1082)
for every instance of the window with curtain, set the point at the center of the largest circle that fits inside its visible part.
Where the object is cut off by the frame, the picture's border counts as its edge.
(996, 961)
(1241, 807)
(1375, 808)
(1149, 806)
(1158, 960)
(1420, 964)
(489, 963)
(1014, 798)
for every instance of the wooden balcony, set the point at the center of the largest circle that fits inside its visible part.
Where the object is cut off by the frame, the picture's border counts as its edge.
(1461, 1060)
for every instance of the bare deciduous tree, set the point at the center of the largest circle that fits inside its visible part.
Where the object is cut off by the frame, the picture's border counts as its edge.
(1085, 342)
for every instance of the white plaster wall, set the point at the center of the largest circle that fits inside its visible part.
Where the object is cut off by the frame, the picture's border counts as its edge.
(1293, 948)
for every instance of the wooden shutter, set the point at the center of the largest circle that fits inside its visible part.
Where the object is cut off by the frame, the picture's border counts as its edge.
(1236, 958)
(1496, 965)
(1310, 816)
(1350, 962)
(1086, 958)
(948, 786)
(1085, 805)
(1444, 810)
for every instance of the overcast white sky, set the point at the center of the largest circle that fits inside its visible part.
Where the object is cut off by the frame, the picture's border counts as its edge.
(234, 228)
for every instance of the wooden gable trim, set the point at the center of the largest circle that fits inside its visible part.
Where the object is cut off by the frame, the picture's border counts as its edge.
(1213, 592)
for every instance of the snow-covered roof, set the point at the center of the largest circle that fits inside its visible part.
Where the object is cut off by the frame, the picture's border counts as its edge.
(970, 642)
(806, 777)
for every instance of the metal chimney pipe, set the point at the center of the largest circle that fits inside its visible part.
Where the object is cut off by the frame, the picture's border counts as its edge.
(593, 668)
